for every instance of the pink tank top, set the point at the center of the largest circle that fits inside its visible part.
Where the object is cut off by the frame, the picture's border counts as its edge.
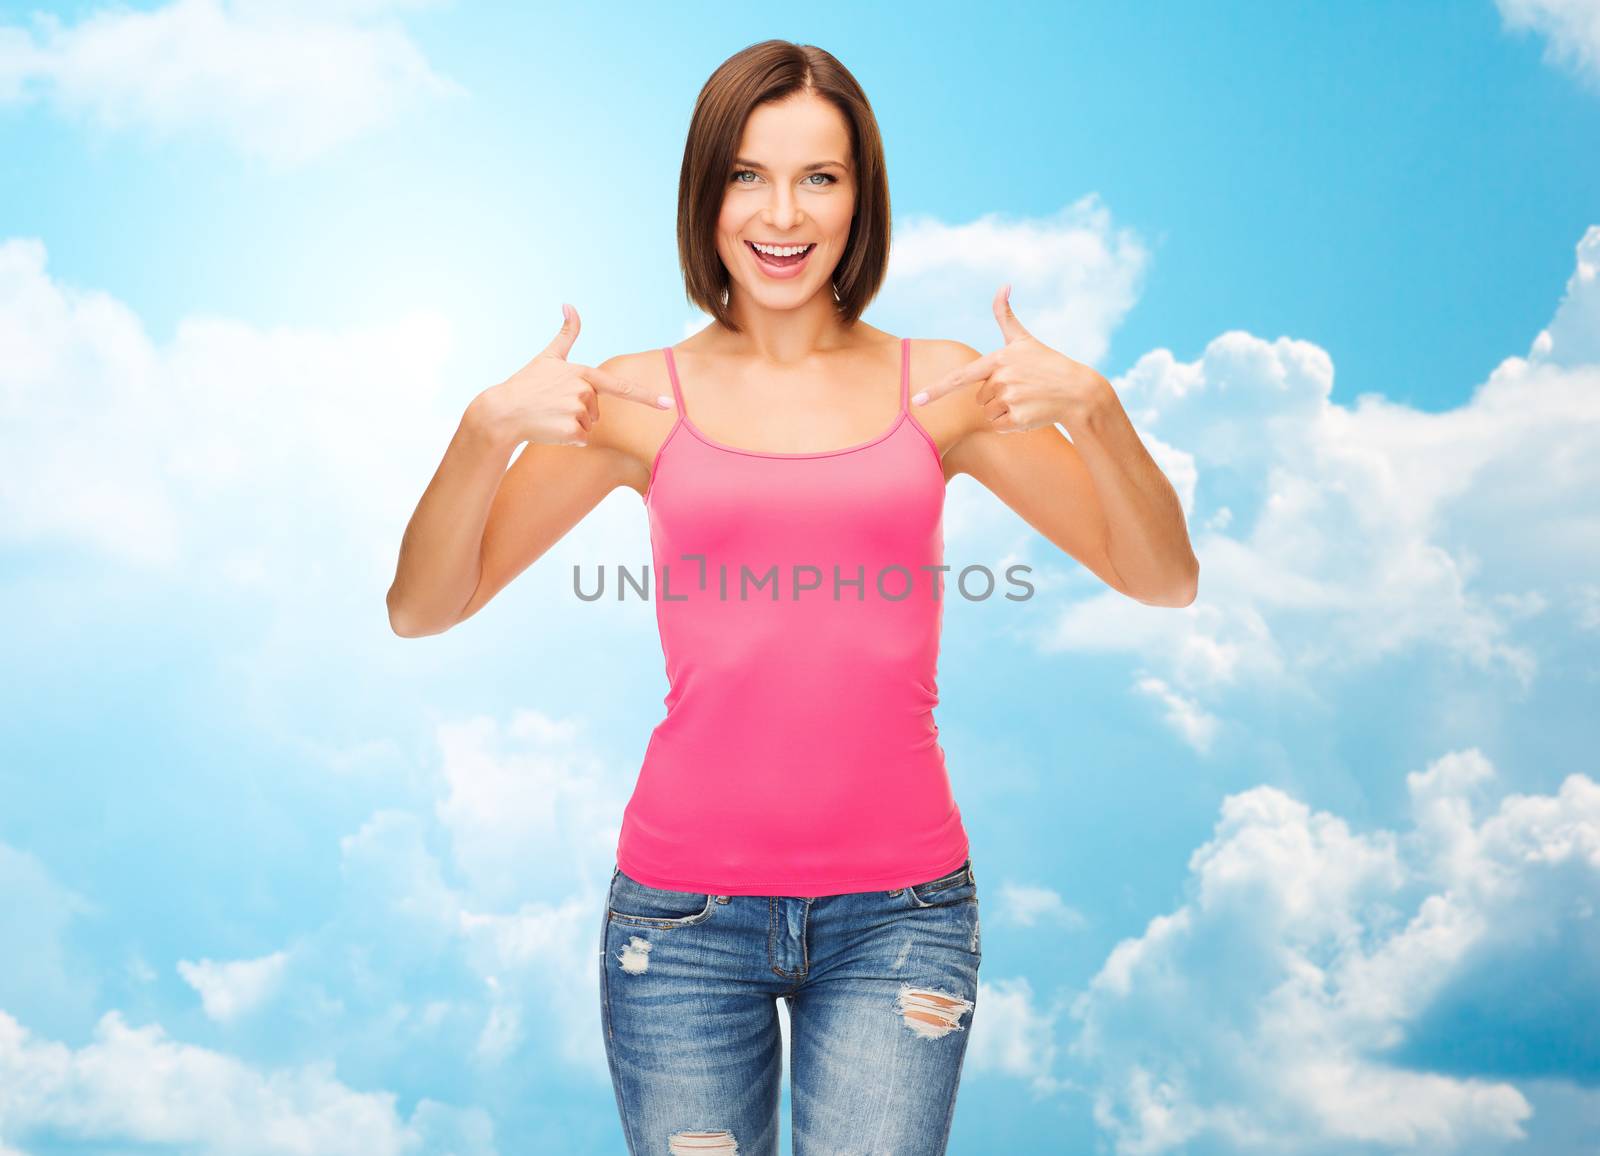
(799, 599)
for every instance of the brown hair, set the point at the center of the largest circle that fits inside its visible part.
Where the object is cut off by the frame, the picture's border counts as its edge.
(771, 71)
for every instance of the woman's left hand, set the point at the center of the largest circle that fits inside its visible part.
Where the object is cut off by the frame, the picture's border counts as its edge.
(1026, 383)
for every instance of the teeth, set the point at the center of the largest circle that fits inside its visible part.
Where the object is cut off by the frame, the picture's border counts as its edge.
(780, 250)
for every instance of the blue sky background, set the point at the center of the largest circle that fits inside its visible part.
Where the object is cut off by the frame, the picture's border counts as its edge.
(1310, 866)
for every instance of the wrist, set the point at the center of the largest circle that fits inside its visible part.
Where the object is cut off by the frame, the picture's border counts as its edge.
(485, 421)
(1089, 415)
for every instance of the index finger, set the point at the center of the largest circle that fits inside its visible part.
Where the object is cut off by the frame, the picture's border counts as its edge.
(978, 369)
(624, 387)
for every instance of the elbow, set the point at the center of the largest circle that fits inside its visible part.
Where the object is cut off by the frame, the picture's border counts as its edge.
(402, 626)
(1180, 593)
(1177, 593)
(1185, 592)
(407, 621)
(403, 629)
(403, 622)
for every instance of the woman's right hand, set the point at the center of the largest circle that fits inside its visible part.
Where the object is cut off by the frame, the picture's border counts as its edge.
(552, 400)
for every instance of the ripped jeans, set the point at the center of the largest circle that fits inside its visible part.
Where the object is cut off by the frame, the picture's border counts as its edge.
(881, 989)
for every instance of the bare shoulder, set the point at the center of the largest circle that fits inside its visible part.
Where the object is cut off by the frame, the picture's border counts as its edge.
(634, 429)
(645, 366)
(941, 355)
(952, 418)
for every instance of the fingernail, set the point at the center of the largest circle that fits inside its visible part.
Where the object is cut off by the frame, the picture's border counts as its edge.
(919, 398)
(663, 401)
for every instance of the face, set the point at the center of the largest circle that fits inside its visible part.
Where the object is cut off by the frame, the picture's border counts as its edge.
(792, 185)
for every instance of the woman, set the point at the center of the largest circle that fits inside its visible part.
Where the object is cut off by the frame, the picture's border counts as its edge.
(792, 833)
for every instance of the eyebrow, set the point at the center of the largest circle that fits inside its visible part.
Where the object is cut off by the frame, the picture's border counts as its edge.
(809, 168)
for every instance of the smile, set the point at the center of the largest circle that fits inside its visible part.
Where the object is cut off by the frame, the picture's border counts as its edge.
(782, 267)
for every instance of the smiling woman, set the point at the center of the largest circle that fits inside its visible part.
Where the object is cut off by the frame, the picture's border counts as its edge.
(792, 834)
(765, 165)
(797, 782)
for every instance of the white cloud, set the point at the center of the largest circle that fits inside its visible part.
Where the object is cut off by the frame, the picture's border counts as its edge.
(1586, 601)
(38, 970)
(1356, 533)
(1074, 276)
(135, 1085)
(285, 81)
(532, 817)
(235, 988)
(481, 942)
(266, 474)
(1027, 905)
(1573, 29)
(1013, 1036)
(1182, 713)
(528, 801)
(231, 450)
(393, 881)
(497, 966)
(1572, 339)
(1296, 1000)
(1331, 536)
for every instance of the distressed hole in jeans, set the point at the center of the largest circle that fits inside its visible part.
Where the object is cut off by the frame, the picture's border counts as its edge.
(931, 1014)
(635, 957)
(685, 1143)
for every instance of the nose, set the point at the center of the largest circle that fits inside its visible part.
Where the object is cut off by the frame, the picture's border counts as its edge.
(782, 211)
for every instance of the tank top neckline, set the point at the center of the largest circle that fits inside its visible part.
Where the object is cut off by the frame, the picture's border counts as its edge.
(688, 423)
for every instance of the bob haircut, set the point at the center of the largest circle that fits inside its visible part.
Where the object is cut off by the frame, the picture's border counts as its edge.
(763, 73)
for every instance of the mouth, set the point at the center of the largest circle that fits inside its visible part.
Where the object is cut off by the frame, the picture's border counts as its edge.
(782, 266)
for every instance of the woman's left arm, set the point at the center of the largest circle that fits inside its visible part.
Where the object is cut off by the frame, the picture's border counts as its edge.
(1100, 497)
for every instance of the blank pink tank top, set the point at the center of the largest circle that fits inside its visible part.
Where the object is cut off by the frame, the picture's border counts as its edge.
(799, 755)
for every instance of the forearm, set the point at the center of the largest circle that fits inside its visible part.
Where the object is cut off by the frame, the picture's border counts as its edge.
(1147, 538)
(441, 550)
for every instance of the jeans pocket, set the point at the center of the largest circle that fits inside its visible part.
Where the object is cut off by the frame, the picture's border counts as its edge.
(633, 902)
(958, 886)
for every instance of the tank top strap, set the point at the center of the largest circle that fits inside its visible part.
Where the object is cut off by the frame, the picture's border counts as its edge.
(672, 374)
(905, 374)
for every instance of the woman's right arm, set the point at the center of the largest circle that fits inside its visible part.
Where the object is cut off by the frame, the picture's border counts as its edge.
(478, 524)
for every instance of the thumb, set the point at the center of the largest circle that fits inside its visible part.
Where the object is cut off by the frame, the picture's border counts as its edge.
(561, 344)
(1010, 328)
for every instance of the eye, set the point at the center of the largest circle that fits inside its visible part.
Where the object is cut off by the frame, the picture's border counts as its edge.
(827, 178)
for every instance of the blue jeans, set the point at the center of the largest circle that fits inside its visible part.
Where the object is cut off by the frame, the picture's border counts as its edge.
(881, 988)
